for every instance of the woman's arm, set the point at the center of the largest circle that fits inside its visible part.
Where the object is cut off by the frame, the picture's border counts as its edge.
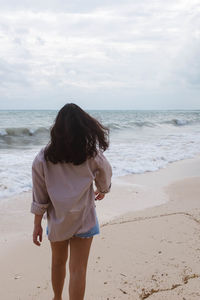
(103, 176)
(37, 230)
(40, 201)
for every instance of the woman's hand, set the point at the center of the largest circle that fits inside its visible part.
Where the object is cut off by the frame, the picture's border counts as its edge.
(98, 195)
(37, 234)
(37, 231)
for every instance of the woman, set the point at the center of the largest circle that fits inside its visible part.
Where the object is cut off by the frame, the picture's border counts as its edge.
(63, 174)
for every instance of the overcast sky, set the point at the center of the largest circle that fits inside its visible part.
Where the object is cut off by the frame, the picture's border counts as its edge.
(106, 54)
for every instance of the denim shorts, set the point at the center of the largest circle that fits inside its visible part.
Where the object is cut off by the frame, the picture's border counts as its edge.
(93, 231)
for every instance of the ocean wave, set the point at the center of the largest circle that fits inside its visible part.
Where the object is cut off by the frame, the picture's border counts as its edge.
(179, 122)
(130, 124)
(143, 124)
(23, 136)
(22, 131)
(116, 125)
(153, 123)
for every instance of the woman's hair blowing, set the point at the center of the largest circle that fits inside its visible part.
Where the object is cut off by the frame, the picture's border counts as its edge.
(75, 136)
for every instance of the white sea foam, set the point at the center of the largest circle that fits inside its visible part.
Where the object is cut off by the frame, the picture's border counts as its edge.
(3, 132)
(139, 142)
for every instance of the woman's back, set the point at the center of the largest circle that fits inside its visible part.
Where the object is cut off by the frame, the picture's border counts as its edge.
(66, 191)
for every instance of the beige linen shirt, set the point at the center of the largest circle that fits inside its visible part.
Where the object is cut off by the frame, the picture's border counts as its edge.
(66, 192)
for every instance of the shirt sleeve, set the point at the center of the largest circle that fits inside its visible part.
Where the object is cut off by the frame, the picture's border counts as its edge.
(103, 174)
(41, 199)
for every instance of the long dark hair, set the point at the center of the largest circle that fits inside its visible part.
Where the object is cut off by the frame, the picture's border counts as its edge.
(75, 136)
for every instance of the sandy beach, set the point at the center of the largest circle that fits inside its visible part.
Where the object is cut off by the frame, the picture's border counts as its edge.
(149, 246)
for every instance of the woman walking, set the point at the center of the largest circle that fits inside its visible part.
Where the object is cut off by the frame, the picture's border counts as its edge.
(63, 174)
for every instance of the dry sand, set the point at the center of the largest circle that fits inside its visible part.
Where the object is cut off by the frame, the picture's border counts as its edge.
(153, 253)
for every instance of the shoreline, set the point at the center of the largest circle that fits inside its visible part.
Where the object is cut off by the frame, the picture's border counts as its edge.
(152, 252)
(141, 191)
(116, 178)
(145, 190)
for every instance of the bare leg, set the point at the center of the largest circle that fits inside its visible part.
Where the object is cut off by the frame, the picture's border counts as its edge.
(58, 268)
(79, 253)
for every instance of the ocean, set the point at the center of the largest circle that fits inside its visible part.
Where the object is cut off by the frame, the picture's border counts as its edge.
(140, 141)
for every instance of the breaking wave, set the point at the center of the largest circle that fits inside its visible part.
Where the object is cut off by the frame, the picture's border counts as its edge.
(22, 136)
(155, 123)
(179, 122)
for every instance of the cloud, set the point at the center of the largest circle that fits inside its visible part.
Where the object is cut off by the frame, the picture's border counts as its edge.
(141, 46)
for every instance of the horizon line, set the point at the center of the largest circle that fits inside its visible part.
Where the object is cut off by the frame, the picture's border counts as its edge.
(97, 109)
